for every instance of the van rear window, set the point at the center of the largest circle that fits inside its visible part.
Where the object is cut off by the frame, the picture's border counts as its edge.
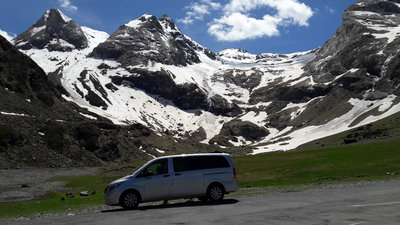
(199, 163)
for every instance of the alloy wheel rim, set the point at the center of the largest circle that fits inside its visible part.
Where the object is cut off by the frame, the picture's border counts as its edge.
(130, 200)
(216, 193)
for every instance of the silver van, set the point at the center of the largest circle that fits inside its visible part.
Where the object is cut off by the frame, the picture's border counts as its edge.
(205, 176)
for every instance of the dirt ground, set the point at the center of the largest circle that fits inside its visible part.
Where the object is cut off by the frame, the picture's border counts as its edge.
(29, 184)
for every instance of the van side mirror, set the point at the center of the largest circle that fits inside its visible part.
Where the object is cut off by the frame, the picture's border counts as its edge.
(148, 173)
(145, 173)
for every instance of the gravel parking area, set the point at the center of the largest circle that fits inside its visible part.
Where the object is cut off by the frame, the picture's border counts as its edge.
(29, 184)
(365, 202)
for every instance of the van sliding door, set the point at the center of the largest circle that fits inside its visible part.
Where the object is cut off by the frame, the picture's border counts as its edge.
(187, 180)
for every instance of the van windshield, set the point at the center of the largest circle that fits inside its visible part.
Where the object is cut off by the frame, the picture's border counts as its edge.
(157, 167)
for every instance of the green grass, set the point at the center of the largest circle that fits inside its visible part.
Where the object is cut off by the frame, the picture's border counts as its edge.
(367, 162)
(300, 167)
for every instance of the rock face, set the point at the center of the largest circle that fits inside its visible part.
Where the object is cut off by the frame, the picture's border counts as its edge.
(29, 103)
(53, 31)
(22, 75)
(149, 39)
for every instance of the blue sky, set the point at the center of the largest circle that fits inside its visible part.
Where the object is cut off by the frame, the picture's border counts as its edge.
(278, 26)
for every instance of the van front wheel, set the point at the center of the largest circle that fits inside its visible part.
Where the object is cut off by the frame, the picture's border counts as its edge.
(129, 200)
(215, 193)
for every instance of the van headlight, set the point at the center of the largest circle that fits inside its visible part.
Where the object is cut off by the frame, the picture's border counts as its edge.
(111, 187)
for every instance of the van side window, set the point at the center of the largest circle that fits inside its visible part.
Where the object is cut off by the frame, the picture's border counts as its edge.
(156, 168)
(199, 163)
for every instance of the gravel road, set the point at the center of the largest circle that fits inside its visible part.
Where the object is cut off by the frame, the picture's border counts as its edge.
(354, 203)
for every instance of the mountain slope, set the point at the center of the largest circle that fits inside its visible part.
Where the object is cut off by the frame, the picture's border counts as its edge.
(38, 128)
(356, 69)
(29, 110)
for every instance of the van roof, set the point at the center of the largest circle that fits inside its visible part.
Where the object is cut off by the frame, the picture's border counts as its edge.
(196, 154)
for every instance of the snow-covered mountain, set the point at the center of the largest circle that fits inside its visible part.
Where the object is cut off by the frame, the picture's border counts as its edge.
(148, 72)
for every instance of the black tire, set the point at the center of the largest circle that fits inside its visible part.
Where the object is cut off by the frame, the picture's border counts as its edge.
(129, 200)
(215, 193)
(203, 199)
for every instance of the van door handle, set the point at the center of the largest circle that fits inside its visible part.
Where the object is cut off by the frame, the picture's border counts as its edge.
(166, 175)
(177, 174)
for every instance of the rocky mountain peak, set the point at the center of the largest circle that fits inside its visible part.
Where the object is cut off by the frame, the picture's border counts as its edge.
(53, 31)
(148, 39)
(146, 21)
(377, 6)
(168, 24)
(54, 17)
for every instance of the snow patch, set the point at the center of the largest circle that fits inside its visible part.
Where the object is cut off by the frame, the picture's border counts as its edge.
(387, 103)
(64, 17)
(137, 23)
(390, 31)
(88, 116)
(257, 118)
(152, 156)
(14, 114)
(94, 37)
(36, 30)
(160, 151)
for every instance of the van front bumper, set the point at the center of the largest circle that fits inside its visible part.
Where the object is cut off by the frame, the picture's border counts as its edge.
(111, 198)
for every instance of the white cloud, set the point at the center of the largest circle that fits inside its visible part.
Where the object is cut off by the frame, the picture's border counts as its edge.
(236, 27)
(67, 5)
(197, 11)
(238, 23)
(8, 36)
(330, 10)
(213, 5)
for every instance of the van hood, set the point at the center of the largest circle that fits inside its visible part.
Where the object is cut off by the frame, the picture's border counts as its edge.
(120, 180)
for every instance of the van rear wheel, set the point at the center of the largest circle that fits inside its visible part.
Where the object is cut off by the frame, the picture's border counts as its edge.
(215, 193)
(129, 200)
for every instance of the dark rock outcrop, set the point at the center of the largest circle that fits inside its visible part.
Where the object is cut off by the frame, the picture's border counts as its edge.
(186, 96)
(237, 128)
(239, 78)
(295, 94)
